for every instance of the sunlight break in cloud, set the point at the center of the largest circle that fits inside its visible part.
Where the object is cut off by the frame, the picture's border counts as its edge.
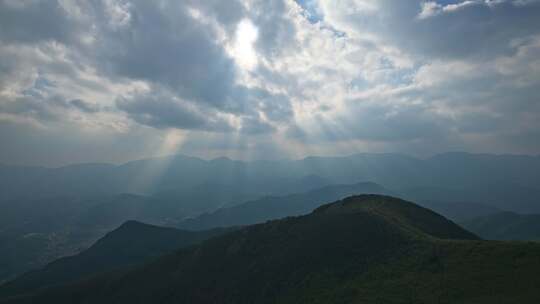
(267, 78)
(243, 50)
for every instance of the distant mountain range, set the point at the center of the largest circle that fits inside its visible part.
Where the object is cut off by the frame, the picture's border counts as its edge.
(506, 226)
(57, 227)
(48, 213)
(41, 236)
(484, 178)
(363, 249)
(275, 207)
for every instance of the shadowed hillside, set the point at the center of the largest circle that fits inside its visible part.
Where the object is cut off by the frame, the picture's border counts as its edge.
(368, 248)
(130, 244)
(49, 213)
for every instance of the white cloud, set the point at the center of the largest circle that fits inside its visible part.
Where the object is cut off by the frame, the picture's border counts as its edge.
(363, 74)
(432, 8)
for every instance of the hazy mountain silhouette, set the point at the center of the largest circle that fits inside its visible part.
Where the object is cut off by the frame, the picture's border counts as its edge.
(503, 196)
(275, 207)
(472, 175)
(130, 244)
(457, 211)
(53, 212)
(367, 248)
(506, 226)
(43, 234)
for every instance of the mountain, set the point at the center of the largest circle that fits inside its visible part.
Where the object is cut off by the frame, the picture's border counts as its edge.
(48, 213)
(275, 207)
(39, 231)
(513, 176)
(502, 195)
(130, 244)
(415, 220)
(506, 226)
(363, 249)
(36, 232)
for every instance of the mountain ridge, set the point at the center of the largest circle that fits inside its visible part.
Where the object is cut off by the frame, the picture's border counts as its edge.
(405, 212)
(324, 257)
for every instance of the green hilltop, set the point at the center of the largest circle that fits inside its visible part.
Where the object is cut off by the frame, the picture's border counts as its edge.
(363, 249)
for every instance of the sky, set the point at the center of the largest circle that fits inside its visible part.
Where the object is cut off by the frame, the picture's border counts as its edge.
(115, 80)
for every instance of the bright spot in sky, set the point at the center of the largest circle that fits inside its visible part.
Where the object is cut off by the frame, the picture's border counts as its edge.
(243, 50)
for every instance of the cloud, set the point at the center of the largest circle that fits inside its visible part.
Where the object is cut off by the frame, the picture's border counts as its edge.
(165, 110)
(84, 106)
(166, 45)
(430, 29)
(432, 8)
(24, 21)
(291, 77)
(252, 126)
